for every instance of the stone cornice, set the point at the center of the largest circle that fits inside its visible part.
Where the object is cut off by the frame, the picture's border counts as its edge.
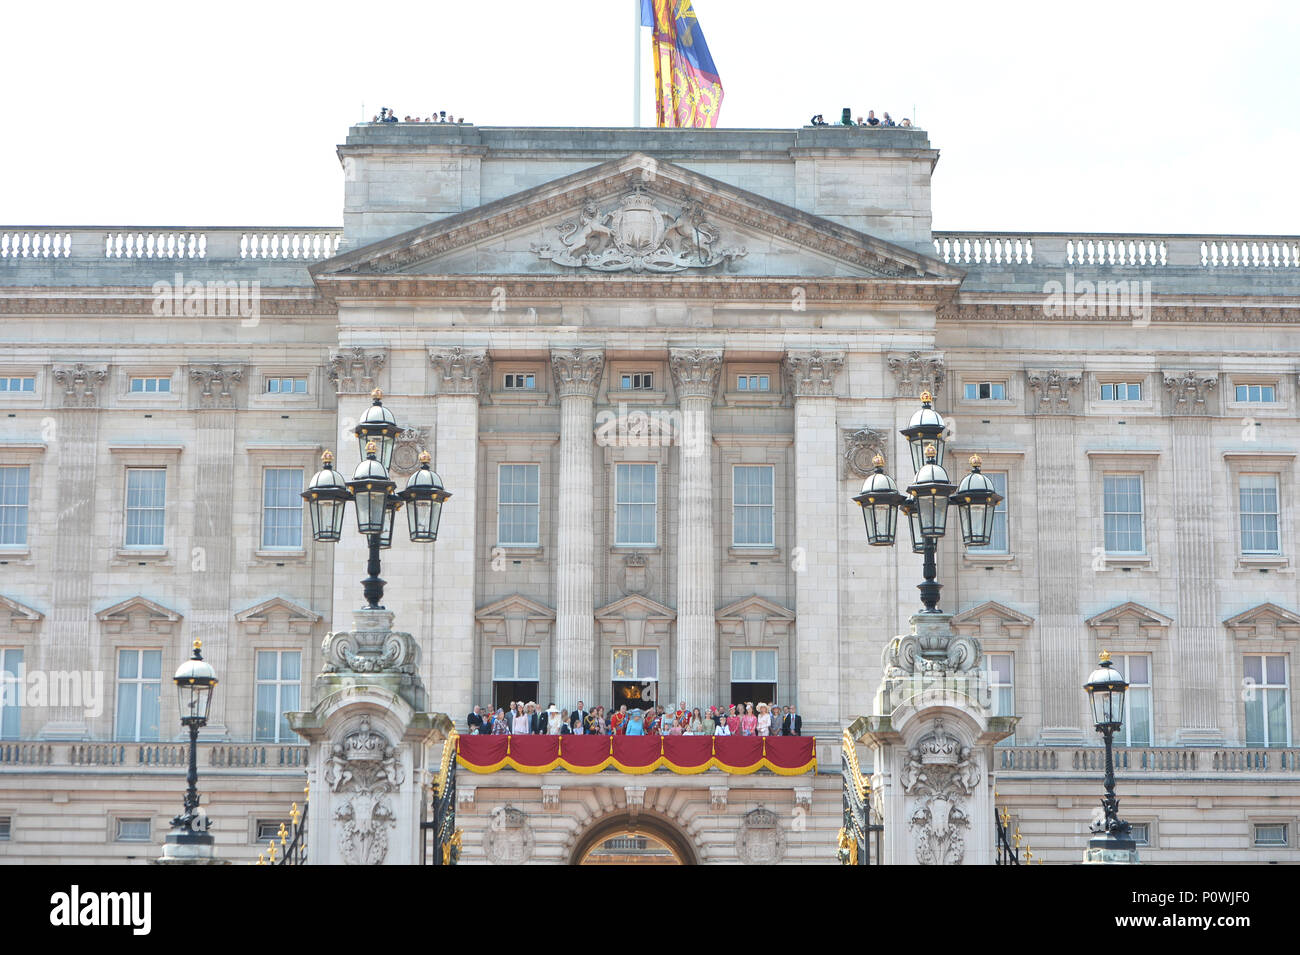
(695, 371)
(577, 371)
(461, 371)
(812, 373)
(1227, 313)
(812, 292)
(112, 301)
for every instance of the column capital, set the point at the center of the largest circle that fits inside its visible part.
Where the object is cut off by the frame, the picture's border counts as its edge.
(916, 372)
(356, 370)
(1189, 391)
(461, 371)
(577, 371)
(81, 384)
(1052, 390)
(695, 371)
(811, 373)
(216, 386)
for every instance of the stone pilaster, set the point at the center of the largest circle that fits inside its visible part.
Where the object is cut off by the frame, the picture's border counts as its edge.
(577, 376)
(460, 374)
(810, 376)
(1197, 640)
(1064, 657)
(68, 641)
(696, 372)
(215, 389)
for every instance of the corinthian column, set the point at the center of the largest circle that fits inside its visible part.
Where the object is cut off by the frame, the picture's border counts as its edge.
(695, 373)
(577, 376)
(817, 505)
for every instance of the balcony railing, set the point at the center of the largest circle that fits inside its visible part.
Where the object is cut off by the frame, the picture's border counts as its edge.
(221, 243)
(1145, 760)
(1057, 250)
(149, 756)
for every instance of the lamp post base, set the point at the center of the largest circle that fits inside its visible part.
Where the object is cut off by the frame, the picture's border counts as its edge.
(1107, 849)
(183, 847)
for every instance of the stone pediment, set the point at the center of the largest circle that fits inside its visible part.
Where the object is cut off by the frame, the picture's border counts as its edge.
(21, 617)
(636, 217)
(514, 606)
(277, 612)
(515, 619)
(991, 619)
(1129, 621)
(754, 618)
(636, 607)
(1265, 621)
(138, 613)
(753, 606)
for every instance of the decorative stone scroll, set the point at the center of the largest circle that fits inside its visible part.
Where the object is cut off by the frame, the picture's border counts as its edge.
(636, 235)
(80, 385)
(859, 448)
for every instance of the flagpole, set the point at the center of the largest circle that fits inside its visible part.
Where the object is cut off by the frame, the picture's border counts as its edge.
(636, 61)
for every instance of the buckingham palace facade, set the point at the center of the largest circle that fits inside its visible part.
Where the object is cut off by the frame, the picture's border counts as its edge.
(653, 368)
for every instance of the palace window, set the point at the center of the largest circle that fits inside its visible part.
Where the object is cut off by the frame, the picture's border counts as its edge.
(13, 385)
(1121, 391)
(517, 504)
(1136, 668)
(14, 482)
(753, 511)
(1140, 832)
(514, 675)
(637, 381)
(520, 381)
(286, 386)
(1262, 394)
(753, 383)
(132, 830)
(139, 685)
(635, 496)
(279, 687)
(282, 508)
(11, 692)
(634, 677)
(146, 506)
(753, 676)
(1258, 498)
(1268, 717)
(984, 391)
(1122, 513)
(1000, 669)
(150, 385)
(1271, 835)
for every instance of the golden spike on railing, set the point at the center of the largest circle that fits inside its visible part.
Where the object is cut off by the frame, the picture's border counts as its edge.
(261, 859)
(283, 834)
(295, 814)
(271, 849)
(1029, 855)
(1017, 838)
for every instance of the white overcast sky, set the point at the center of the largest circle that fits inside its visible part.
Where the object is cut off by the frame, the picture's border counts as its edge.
(1099, 116)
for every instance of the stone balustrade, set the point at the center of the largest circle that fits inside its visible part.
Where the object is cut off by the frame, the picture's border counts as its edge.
(234, 243)
(134, 757)
(1057, 250)
(1147, 760)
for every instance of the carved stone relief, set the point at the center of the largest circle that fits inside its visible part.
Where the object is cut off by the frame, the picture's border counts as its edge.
(363, 771)
(938, 778)
(760, 840)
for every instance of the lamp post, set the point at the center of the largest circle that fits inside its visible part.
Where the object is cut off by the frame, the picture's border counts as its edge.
(1112, 843)
(374, 496)
(195, 680)
(928, 497)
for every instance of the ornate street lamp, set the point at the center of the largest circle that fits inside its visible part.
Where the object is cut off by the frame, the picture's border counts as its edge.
(374, 495)
(928, 500)
(195, 680)
(1112, 843)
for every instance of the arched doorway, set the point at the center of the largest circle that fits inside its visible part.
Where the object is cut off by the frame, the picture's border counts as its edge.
(625, 839)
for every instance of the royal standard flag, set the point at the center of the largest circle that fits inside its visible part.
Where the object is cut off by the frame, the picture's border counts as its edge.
(688, 90)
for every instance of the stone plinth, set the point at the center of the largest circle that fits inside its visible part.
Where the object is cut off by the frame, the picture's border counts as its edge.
(932, 736)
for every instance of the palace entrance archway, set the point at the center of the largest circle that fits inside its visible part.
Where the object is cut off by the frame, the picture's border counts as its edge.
(639, 839)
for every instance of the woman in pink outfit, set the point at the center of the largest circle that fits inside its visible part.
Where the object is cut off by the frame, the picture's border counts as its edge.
(733, 720)
(748, 722)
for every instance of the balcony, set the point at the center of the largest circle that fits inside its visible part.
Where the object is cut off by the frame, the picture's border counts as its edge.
(149, 757)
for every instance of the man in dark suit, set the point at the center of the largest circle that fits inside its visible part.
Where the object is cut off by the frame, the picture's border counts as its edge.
(541, 721)
(580, 719)
(475, 721)
(792, 725)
